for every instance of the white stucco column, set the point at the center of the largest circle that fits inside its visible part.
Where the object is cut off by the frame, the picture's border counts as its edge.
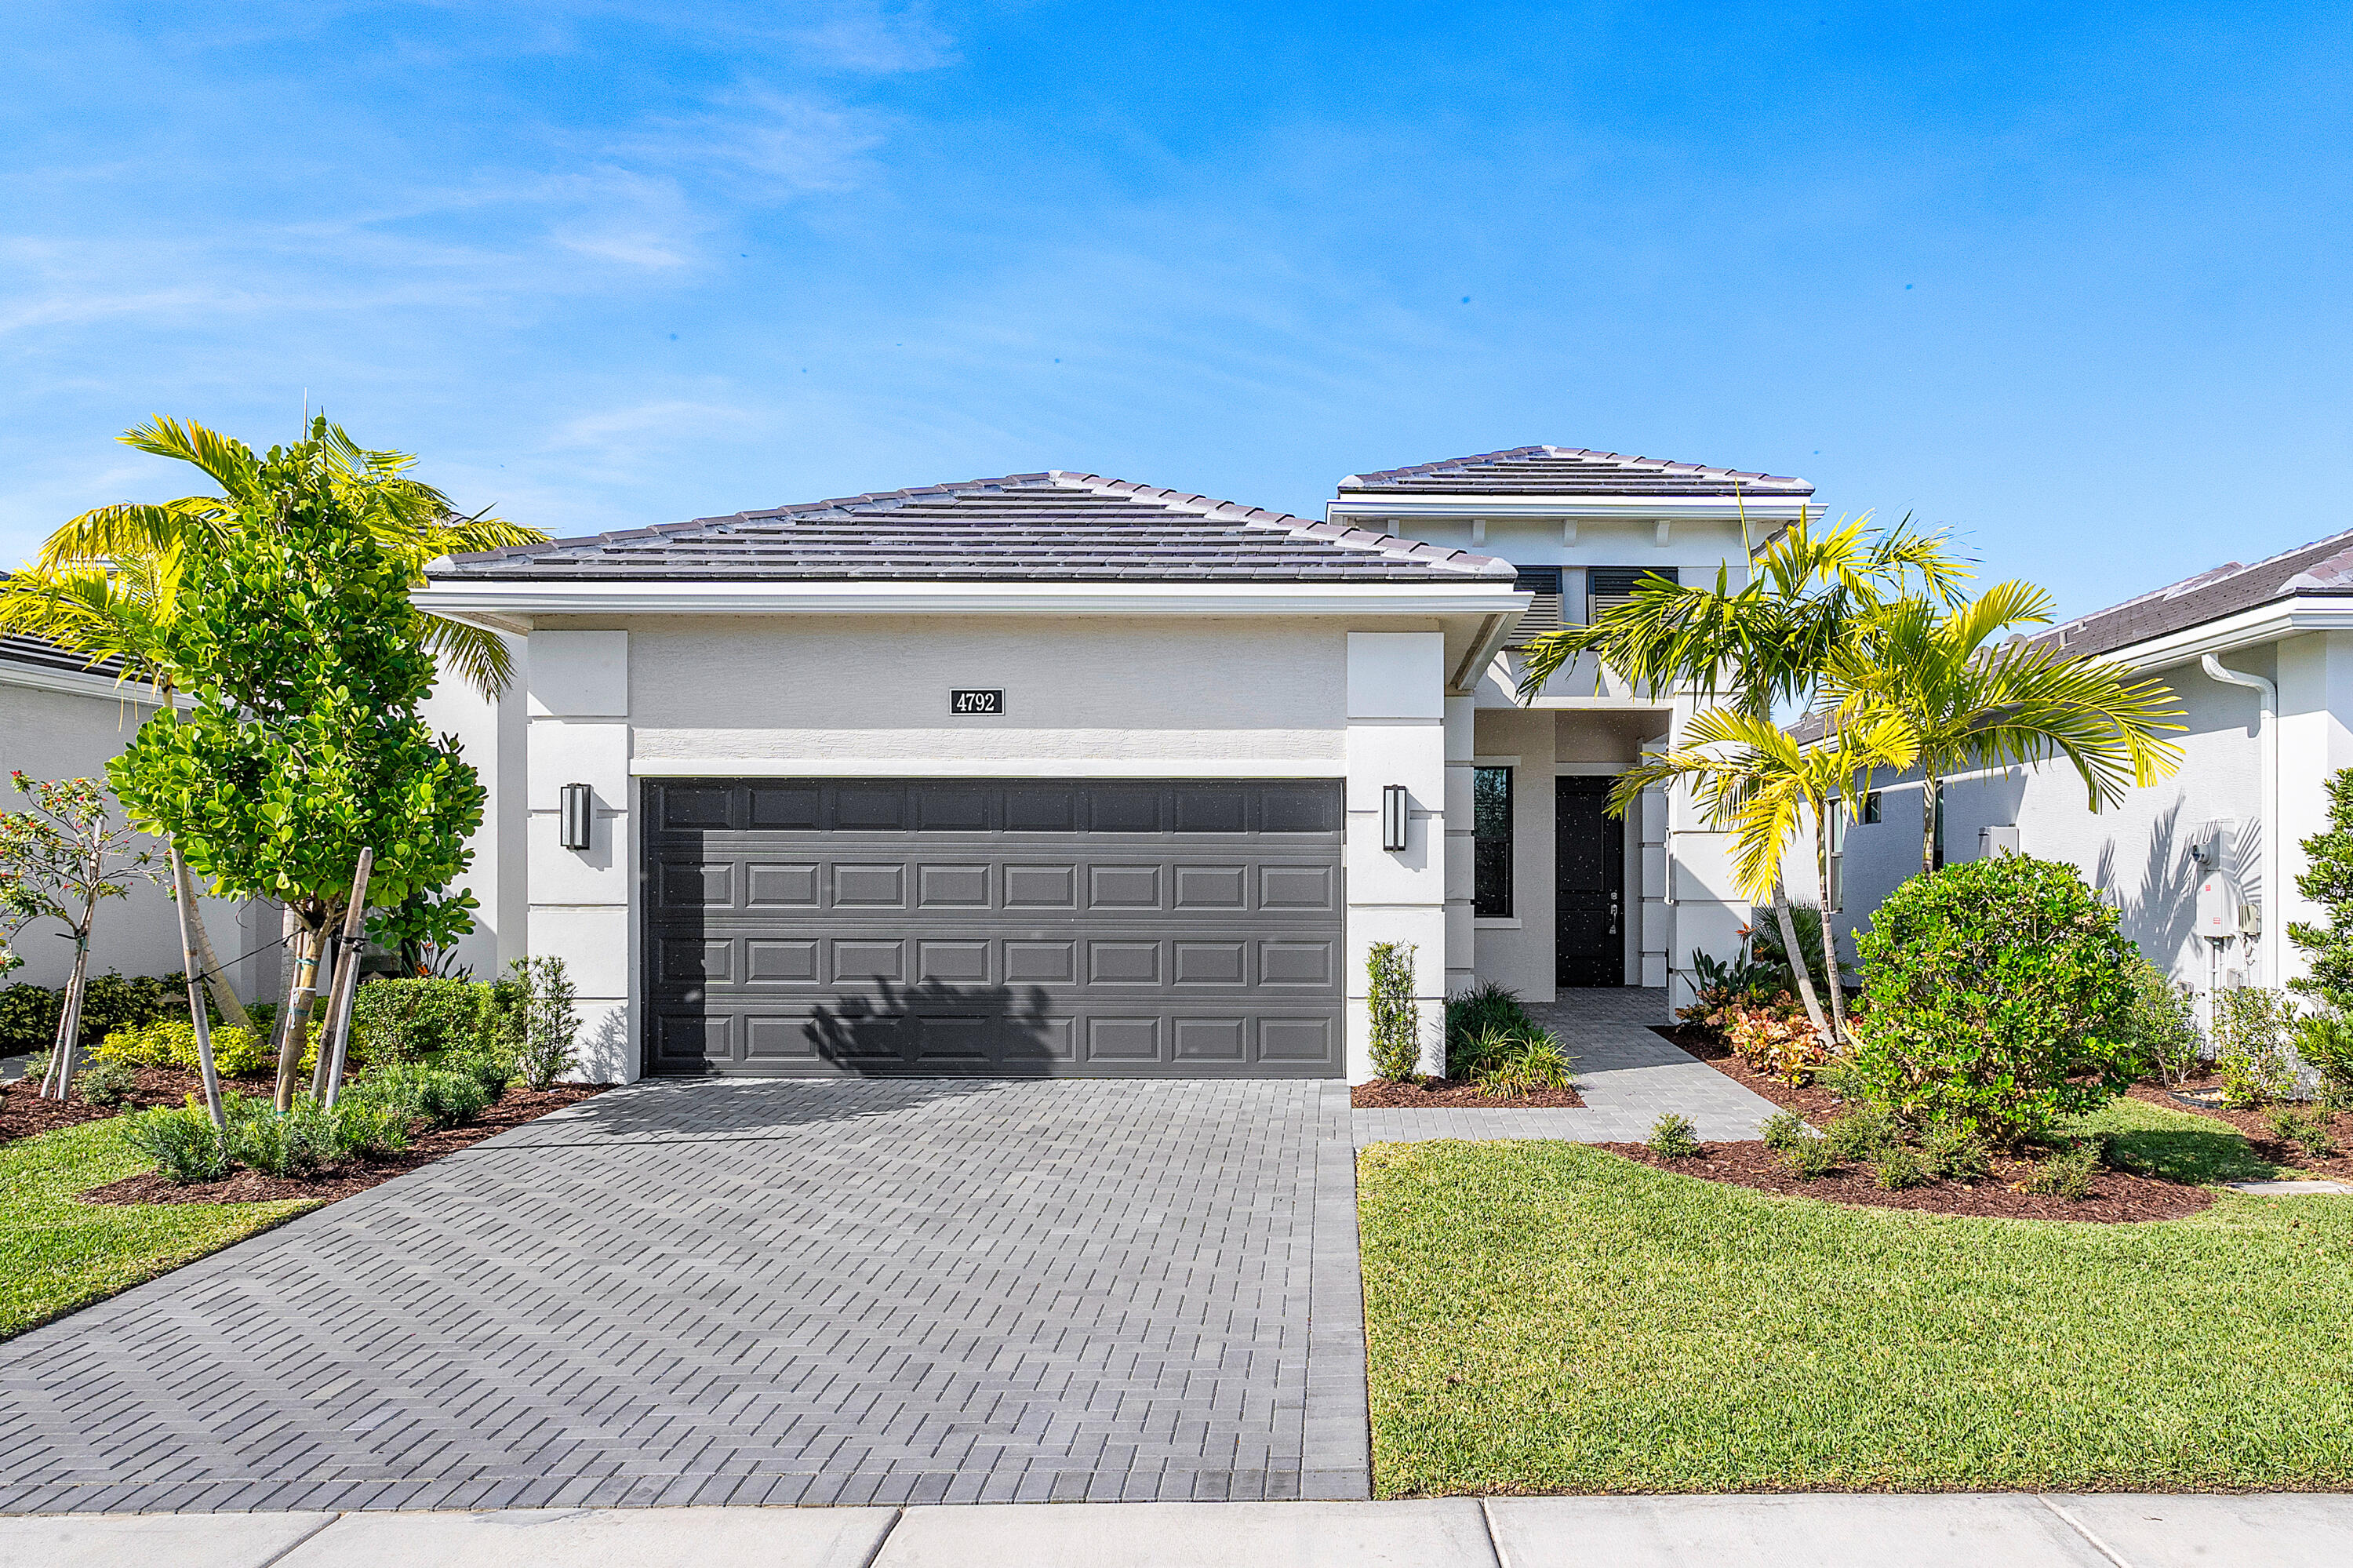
(1397, 735)
(1648, 820)
(578, 702)
(1462, 872)
(1705, 910)
(493, 733)
(2316, 741)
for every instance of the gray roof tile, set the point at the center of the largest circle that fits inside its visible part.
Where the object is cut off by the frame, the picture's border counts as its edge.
(1052, 527)
(2322, 568)
(1571, 471)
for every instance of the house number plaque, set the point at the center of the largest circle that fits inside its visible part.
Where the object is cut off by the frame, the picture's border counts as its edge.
(975, 702)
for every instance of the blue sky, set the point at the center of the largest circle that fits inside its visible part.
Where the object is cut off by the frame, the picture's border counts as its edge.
(2069, 280)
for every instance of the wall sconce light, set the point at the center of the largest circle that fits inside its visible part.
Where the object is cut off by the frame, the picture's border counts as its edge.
(579, 816)
(1393, 816)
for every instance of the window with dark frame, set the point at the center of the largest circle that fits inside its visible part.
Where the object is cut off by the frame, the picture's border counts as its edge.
(1491, 842)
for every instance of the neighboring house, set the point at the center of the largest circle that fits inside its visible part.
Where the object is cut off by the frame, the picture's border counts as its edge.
(59, 719)
(1059, 774)
(2261, 658)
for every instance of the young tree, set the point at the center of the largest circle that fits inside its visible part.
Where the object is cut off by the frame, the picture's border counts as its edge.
(1928, 668)
(60, 859)
(2328, 880)
(1765, 643)
(304, 744)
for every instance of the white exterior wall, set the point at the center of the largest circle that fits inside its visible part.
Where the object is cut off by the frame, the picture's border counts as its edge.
(70, 728)
(2137, 851)
(491, 733)
(861, 695)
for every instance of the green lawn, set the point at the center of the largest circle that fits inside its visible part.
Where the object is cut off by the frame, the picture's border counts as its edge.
(1544, 1317)
(57, 1255)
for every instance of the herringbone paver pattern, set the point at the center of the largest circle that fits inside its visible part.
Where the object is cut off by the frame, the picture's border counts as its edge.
(753, 1292)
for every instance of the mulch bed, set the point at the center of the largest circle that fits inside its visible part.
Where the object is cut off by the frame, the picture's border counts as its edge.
(2116, 1198)
(517, 1106)
(23, 1112)
(1453, 1094)
(1813, 1102)
(2256, 1125)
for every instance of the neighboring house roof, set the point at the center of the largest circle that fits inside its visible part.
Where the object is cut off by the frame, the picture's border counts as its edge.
(1025, 526)
(1572, 471)
(40, 654)
(2323, 568)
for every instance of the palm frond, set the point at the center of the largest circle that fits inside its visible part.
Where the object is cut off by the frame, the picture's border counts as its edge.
(229, 462)
(479, 658)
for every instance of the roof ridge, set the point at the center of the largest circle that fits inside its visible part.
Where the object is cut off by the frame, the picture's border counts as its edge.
(2212, 576)
(1507, 454)
(1340, 534)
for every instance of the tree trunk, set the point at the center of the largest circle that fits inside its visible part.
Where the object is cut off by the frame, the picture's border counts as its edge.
(68, 1043)
(200, 943)
(1798, 968)
(296, 1020)
(1830, 940)
(334, 1040)
(184, 894)
(1932, 792)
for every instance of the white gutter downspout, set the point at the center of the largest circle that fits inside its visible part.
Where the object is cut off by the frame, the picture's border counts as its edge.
(2275, 904)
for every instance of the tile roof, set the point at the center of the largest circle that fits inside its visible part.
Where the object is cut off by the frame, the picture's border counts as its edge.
(1571, 471)
(2324, 567)
(1023, 527)
(17, 647)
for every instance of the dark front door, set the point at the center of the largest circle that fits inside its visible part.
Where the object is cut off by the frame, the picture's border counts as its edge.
(1589, 883)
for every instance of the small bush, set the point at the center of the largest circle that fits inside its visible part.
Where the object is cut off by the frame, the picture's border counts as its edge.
(1489, 1012)
(2308, 1130)
(1784, 1131)
(298, 1144)
(107, 1082)
(1775, 1037)
(2250, 1046)
(365, 1130)
(1673, 1136)
(1521, 1065)
(2325, 1040)
(29, 1014)
(1994, 992)
(1955, 1154)
(1900, 1166)
(1811, 1159)
(1859, 1134)
(172, 1042)
(552, 1024)
(2067, 1174)
(413, 1090)
(2161, 1021)
(407, 1020)
(181, 1140)
(1397, 1022)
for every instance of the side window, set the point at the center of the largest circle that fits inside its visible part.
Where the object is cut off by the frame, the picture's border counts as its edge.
(1491, 842)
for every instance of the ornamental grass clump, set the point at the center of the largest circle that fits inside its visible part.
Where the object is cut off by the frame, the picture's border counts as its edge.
(1997, 998)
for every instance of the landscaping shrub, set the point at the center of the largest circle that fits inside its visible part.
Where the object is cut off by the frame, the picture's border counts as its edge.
(1784, 1131)
(2250, 1046)
(29, 1014)
(365, 1130)
(1524, 1066)
(1860, 1133)
(1397, 1030)
(405, 1019)
(2308, 1130)
(2325, 1040)
(441, 1096)
(181, 1140)
(1764, 944)
(2160, 1020)
(1717, 982)
(551, 1025)
(1899, 1166)
(106, 1083)
(1812, 1158)
(1955, 1154)
(1773, 1037)
(1995, 991)
(1673, 1136)
(297, 1144)
(2067, 1174)
(172, 1042)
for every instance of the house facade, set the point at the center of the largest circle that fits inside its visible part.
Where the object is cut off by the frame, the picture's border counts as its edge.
(2203, 865)
(1059, 773)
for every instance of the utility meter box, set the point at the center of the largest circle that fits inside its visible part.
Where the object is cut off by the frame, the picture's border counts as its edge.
(2221, 911)
(1992, 842)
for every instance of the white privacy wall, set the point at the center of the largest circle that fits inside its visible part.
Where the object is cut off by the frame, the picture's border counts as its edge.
(578, 705)
(1397, 724)
(491, 735)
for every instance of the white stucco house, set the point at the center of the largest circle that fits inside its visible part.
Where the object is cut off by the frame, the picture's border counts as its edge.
(2260, 659)
(1060, 774)
(61, 719)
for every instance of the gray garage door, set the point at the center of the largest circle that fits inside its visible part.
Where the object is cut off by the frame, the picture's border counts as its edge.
(1040, 928)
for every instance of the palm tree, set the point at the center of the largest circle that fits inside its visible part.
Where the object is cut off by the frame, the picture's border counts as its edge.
(1928, 670)
(1754, 777)
(1767, 643)
(410, 518)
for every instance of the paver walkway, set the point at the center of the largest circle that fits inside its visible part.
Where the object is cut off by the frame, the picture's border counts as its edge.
(1628, 1075)
(754, 1292)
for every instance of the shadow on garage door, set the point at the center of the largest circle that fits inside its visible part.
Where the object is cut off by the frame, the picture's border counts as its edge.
(1046, 927)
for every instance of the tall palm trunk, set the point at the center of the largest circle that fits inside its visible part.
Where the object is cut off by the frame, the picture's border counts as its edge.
(1798, 967)
(1830, 937)
(1932, 799)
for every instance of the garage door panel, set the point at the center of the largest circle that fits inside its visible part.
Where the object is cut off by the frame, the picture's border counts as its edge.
(1078, 928)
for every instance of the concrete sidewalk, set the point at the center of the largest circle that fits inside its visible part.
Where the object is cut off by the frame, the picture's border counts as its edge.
(1815, 1530)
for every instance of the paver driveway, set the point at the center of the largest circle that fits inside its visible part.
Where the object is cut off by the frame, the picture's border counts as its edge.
(754, 1292)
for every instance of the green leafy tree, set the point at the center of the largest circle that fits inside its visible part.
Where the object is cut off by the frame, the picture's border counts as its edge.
(1934, 673)
(61, 859)
(1762, 644)
(307, 664)
(2328, 880)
